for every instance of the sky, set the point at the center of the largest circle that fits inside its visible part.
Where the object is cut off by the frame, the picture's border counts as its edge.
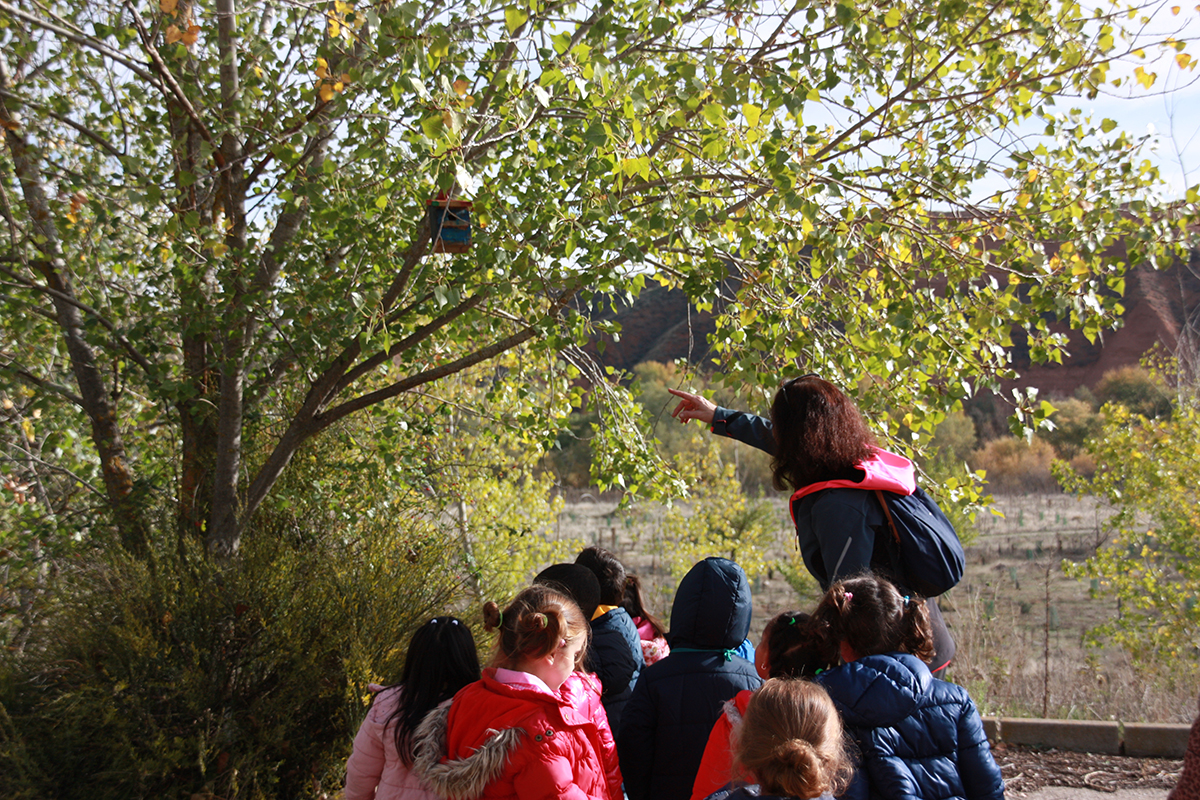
(1170, 111)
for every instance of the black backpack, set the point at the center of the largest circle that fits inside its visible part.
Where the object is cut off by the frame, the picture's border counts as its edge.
(926, 549)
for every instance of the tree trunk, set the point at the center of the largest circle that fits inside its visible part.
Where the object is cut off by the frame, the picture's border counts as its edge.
(224, 534)
(106, 432)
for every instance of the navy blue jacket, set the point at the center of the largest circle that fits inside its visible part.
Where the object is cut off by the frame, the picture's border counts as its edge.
(835, 528)
(676, 702)
(920, 738)
(615, 655)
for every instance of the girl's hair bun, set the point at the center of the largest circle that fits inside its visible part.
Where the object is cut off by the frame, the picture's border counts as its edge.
(798, 754)
(534, 625)
(491, 616)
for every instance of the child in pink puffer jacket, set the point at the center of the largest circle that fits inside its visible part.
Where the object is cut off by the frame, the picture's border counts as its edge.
(441, 660)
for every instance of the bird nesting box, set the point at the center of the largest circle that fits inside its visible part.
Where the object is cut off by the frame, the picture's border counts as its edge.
(449, 225)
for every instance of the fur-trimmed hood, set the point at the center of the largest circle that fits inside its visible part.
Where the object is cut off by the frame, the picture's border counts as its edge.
(463, 778)
(492, 733)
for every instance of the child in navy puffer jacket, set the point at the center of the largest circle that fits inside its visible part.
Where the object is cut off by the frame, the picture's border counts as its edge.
(677, 700)
(920, 738)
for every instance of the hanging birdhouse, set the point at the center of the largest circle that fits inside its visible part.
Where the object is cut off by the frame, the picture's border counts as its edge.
(449, 224)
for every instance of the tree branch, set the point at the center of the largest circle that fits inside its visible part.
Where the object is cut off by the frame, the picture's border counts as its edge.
(100, 141)
(46, 385)
(132, 352)
(81, 39)
(410, 341)
(169, 79)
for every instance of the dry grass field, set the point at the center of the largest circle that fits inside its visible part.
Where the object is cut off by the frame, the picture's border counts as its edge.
(1018, 620)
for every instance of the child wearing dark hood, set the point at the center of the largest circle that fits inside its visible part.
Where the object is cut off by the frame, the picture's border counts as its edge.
(677, 700)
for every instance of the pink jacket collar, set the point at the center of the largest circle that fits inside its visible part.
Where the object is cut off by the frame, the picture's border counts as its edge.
(884, 470)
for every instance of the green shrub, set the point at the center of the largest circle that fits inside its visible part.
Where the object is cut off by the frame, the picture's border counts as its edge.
(239, 682)
(1137, 389)
(954, 438)
(1075, 422)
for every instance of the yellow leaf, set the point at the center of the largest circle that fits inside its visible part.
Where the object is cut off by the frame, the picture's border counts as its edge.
(167, 6)
(1146, 79)
(193, 33)
(258, 70)
(71, 216)
(955, 241)
(460, 87)
(322, 68)
(337, 87)
(1175, 10)
(9, 125)
(345, 77)
(173, 34)
(27, 427)
(1023, 200)
(1183, 59)
(326, 92)
(1032, 175)
(343, 8)
(220, 249)
(335, 27)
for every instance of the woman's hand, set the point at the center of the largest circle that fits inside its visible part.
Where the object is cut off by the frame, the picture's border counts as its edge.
(693, 406)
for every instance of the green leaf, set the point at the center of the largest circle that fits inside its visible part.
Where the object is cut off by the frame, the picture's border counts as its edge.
(515, 17)
(432, 126)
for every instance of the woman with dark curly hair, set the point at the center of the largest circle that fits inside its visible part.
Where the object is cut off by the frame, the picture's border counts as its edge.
(823, 451)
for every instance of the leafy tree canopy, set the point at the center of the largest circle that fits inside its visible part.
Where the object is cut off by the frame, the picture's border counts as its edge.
(213, 247)
(1147, 471)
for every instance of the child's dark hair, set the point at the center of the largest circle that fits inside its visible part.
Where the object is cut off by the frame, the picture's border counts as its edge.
(441, 659)
(791, 740)
(636, 607)
(795, 647)
(869, 614)
(608, 569)
(537, 622)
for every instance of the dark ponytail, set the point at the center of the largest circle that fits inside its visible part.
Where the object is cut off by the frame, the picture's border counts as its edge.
(870, 615)
(795, 648)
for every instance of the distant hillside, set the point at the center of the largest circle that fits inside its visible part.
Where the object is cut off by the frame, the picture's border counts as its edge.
(662, 326)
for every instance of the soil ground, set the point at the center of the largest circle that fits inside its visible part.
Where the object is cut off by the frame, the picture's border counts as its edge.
(1029, 773)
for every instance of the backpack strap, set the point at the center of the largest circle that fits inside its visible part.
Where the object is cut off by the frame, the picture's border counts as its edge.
(888, 513)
